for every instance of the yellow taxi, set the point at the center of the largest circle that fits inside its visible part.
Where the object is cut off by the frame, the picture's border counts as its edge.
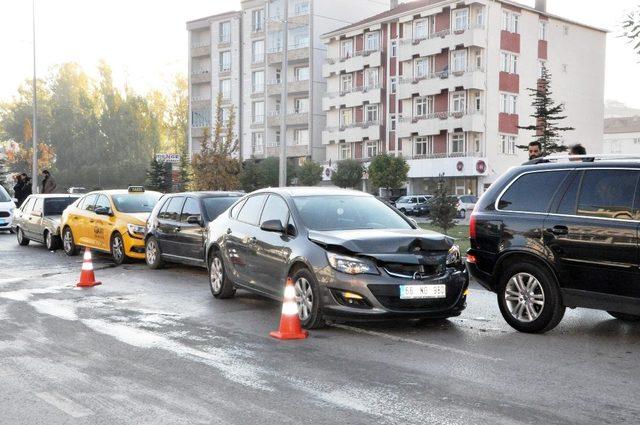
(110, 221)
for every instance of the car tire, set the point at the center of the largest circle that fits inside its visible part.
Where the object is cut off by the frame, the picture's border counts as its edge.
(68, 243)
(529, 298)
(51, 241)
(308, 299)
(117, 249)
(22, 239)
(152, 254)
(219, 283)
(631, 318)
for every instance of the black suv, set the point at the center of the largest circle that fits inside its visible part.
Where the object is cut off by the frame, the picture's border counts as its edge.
(549, 236)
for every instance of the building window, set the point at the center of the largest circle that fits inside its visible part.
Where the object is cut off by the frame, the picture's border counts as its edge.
(460, 19)
(275, 10)
(392, 122)
(371, 114)
(301, 136)
(394, 48)
(459, 60)
(225, 61)
(346, 83)
(421, 29)
(508, 62)
(301, 73)
(478, 59)
(476, 143)
(275, 40)
(508, 103)
(346, 117)
(371, 78)
(278, 75)
(258, 112)
(421, 68)
(301, 7)
(257, 143)
(257, 18)
(371, 149)
(507, 144)
(478, 102)
(258, 81)
(423, 106)
(480, 17)
(301, 105)
(372, 41)
(510, 21)
(225, 89)
(423, 146)
(299, 37)
(543, 30)
(393, 85)
(200, 118)
(257, 50)
(225, 32)
(276, 138)
(458, 102)
(346, 49)
(344, 151)
(457, 143)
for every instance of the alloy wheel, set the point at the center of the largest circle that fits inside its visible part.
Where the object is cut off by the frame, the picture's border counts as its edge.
(304, 298)
(49, 241)
(66, 240)
(151, 251)
(216, 275)
(524, 297)
(117, 248)
(20, 236)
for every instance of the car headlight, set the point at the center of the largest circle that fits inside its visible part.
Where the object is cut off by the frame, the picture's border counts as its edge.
(453, 256)
(351, 265)
(136, 231)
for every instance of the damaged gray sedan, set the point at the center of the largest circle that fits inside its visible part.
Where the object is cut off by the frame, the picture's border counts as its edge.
(350, 256)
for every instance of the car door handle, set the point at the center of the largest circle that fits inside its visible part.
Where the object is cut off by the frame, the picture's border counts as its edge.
(559, 230)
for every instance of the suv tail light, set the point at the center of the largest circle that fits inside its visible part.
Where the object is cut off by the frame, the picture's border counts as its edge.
(472, 226)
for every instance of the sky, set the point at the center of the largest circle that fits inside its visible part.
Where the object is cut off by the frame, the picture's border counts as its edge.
(145, 41)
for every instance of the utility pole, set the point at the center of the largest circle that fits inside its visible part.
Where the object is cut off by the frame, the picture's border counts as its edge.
(283, 100)
(34, 135)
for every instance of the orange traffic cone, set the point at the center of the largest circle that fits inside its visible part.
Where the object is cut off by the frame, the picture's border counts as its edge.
(87, 278)
(290, 327)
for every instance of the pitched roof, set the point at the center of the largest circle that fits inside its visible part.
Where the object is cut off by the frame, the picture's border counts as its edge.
(622, 125)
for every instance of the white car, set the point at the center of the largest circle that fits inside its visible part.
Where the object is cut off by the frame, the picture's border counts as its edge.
(407, 204)
(6, 210)
(466, 204)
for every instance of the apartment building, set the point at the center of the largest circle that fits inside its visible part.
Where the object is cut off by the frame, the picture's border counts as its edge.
(444, 83)
(622, 136)
(241, 54)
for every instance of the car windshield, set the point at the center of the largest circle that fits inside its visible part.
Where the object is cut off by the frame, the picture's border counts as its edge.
(341, 212)
(55, 206)
(218, 205)
(135, 202)
(403, 199)
(4, 196)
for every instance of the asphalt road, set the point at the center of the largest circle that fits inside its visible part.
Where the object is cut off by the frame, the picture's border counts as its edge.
(153, 347)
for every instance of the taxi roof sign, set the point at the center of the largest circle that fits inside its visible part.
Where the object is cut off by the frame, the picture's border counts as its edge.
(136, 189)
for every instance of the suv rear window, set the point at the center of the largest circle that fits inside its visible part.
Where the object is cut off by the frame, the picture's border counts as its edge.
(532, 192)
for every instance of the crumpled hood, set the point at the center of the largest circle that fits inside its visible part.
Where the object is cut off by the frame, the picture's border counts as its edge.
(135, 218)
(412, 246)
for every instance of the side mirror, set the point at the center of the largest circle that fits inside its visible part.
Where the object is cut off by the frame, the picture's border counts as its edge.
(272, 226)
(103, 211)
(194, 219)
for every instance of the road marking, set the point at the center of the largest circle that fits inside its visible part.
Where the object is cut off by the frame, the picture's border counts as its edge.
(418, 342)
(69, 407)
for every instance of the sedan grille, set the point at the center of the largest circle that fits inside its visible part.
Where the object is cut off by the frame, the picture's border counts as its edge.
(389, 297)
(412, 271)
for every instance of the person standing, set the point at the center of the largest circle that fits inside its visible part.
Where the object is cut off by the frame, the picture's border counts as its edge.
(535, 150)
(26, 188)
(48, 183)
(575, 150)
(18, 189)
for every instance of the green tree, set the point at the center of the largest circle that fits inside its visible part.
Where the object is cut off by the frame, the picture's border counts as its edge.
(348, 173)
(388, 171)
(444, 208)
(184, 170)
(309, 173)
(547, 115)
(156, 176)
(250, 177)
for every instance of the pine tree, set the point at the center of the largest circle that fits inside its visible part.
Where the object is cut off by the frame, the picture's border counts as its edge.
(547, 115)
(443, 207)
(156, 175)
(185, 170)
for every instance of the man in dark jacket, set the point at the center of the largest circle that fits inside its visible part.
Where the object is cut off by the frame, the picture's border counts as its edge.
(26, 189)
(48, 183)
(18, 189)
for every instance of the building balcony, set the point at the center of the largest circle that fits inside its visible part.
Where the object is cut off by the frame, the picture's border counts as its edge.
(463, 164)
(293, 150)
(274, 88)
(200, 102)
(297, 53)
(200, 76)
(200, 49)
(293, 119)
(433, 124)
(356, 132)
(354, 97)
(448, 39)
(432, 84)
(360, 59)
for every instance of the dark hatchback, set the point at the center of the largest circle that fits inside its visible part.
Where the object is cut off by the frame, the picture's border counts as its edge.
(175, 230)
(550, 236)
(349, 254)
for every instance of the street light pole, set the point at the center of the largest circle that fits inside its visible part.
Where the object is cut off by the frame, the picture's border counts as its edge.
(283, 100)
(34, 135)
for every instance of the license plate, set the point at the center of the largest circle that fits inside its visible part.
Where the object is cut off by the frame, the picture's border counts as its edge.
(413, 292)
